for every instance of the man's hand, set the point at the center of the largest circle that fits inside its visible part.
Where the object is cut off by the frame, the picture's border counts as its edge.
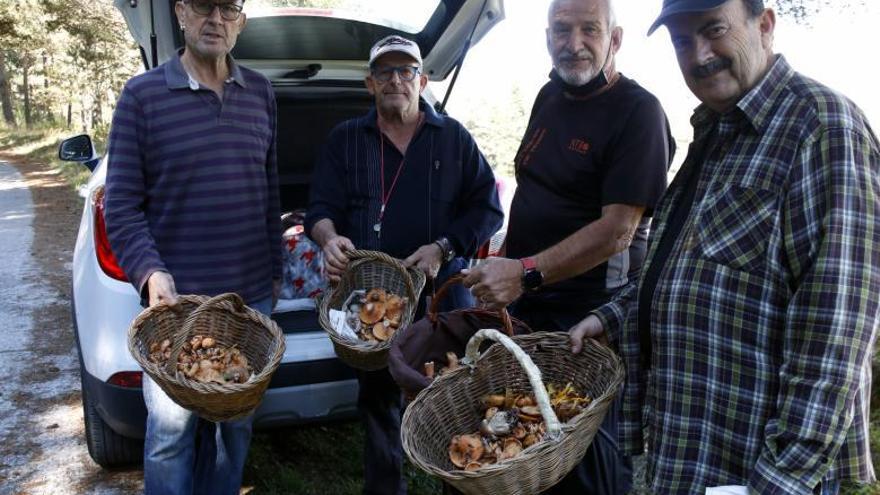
(588, 327)
(335, 259)
(161, 288)
(427, 259)
(496, 282)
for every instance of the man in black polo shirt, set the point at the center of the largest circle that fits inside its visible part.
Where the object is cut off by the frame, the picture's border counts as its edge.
(589, 170)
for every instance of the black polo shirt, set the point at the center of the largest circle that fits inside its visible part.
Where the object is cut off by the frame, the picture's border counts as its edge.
(578, 155)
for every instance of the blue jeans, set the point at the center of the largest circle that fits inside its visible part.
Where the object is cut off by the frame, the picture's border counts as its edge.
(174, 464)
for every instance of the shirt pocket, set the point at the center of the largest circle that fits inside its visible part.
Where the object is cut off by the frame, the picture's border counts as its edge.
(735, 226)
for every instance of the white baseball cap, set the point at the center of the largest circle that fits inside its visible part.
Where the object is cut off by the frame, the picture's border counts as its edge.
(395, 43)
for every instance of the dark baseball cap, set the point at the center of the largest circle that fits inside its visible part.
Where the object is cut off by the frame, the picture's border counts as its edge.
(673, 7)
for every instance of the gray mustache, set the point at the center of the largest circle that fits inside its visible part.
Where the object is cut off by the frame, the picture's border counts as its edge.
(710, 68)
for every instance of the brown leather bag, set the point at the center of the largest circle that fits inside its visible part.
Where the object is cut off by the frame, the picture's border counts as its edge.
(430, 338)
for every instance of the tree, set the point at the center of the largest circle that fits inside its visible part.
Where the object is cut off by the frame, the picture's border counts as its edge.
(802, 10)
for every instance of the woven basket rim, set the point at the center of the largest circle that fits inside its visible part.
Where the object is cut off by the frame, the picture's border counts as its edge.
(572, 431)
(414, 280)
(160, 375)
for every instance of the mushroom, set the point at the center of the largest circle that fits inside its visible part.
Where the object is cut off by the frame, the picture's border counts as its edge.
(394, 305)
(382, 331)
(372, 312)
(429, 370)
(493, 400)
(525, 400)
(473, 466)
(465, 448)
(376, 294)
(512, 447)
(208, 342)
(529, 440)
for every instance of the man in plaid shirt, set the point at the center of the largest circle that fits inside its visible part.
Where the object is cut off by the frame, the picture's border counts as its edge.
(748, 339)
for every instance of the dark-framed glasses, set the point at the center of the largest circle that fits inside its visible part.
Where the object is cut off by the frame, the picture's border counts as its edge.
(228, 10)
(405, 72)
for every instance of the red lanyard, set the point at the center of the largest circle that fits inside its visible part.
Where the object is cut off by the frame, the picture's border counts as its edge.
(377, 227)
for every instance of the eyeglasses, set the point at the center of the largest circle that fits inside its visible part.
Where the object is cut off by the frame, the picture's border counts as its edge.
(405, 72)
(228, 11)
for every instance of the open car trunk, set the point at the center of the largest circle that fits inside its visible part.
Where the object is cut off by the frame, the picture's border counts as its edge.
(305, 118)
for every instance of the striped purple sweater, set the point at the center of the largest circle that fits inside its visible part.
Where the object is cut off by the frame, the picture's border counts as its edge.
(192, 183)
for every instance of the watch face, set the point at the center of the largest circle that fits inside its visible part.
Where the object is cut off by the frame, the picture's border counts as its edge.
(533, 279)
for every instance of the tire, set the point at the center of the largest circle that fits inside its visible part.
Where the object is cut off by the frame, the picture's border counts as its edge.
(108, 448)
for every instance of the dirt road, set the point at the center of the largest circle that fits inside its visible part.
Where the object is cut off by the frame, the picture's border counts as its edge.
(42, 443)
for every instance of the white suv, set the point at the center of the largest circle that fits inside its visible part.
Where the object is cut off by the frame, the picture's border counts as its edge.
(316, 60)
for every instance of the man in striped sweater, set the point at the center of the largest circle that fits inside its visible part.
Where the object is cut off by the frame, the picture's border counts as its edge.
(192, 206)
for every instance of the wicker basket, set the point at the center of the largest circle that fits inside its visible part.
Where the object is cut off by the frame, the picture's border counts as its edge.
(368, 270)
(450, 406)
(229, 322)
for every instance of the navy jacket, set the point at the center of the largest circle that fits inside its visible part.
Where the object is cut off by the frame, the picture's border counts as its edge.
(445, 188)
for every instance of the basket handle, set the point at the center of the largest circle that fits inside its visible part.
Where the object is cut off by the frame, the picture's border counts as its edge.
(356, 254)
(183, 335)
(532, 371)
(506, 322)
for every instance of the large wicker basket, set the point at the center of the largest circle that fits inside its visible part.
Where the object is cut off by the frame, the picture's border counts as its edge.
(450, 406)
(229, 322)
(367, 270)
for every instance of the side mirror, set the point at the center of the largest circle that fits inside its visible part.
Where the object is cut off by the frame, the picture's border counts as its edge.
(78, 149)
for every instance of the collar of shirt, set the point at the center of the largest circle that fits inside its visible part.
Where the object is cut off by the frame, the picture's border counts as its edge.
(756, 106)
(176, 76)
(431, 116)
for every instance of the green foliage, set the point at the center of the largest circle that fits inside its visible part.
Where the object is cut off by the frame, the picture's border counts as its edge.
(498, 129)
(802, 10)
(65, 60)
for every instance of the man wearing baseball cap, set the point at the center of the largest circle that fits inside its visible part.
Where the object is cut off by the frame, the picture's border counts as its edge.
(749, 346)
(412, 183)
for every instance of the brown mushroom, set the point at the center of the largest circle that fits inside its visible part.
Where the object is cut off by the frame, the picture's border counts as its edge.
(529, 440)
(525, 400)
(376, 294)
(465, 448)
(512, 447)
(382, 331)
(492, 400)
(429, 370)
(372, 312)
(394, 306)
(473, 466)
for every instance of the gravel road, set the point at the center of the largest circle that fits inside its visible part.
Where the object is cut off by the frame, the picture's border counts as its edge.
(42, 443)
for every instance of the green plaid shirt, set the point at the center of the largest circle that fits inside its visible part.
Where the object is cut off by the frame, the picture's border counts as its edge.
(764, 315)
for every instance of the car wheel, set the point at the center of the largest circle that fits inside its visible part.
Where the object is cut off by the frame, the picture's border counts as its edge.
(106, 447)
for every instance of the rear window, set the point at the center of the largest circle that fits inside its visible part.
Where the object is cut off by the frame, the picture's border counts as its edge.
(409, 16)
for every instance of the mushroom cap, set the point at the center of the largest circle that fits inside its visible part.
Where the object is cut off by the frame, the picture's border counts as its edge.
(376, 294)
(372, 312)
(463, 449)
(394, 306)
(382, 331)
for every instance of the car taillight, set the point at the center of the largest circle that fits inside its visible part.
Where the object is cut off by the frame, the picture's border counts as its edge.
(106, 259)
(128, 379)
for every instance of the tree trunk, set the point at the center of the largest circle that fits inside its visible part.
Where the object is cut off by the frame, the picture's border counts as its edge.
(5, 94)
(69, 114)
(26, 90)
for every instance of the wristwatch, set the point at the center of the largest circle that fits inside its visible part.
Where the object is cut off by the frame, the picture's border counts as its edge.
(532, 277)
(446, 249)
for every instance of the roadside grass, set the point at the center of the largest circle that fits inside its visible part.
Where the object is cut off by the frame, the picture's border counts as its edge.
(41, 145)
(318, 459)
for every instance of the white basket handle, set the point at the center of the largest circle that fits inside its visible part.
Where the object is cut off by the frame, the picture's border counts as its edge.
(532, 371)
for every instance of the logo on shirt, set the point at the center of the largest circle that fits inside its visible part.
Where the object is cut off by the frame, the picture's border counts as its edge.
(579, 146)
